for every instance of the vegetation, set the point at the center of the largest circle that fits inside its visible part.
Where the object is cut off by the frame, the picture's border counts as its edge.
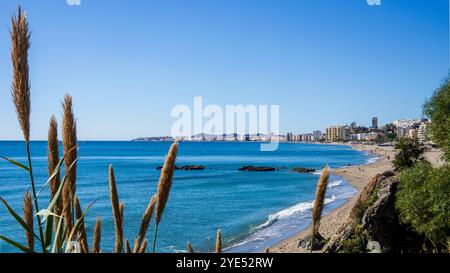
(219, 241)
(61, 224)
(360, 208)
(409, 153)
(390, 137)
(356, 242)
(438, 110)
(423, 194)
(318, 206)
(423, 202)
(359, 237)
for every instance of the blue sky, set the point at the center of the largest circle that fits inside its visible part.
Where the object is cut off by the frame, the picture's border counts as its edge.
(127, 63)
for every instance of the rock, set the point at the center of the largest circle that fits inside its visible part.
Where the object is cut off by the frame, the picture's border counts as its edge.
(186, 167)
(388, 173)
(257, 169)
(366, 193)
(319, 242)
(356, 213)
(303, 170)
(381, 219)
(191, 168)
(378, 220)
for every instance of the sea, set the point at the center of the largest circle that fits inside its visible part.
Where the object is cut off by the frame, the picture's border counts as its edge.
(254, 210)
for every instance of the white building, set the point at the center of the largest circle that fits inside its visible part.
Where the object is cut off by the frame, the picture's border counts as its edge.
(422, 134)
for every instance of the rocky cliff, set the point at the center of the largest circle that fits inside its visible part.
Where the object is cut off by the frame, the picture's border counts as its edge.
(374, 222)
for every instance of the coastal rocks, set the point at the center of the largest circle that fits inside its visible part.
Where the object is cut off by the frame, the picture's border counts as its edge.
(191, 168)
(186, 168)
(356, 214)
(388, 173)
(381, 219)
(319, 242)
(374, 218)
(257, 169)
(303, 170)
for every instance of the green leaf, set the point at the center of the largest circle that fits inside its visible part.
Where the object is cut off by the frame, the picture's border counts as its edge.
(16, 163)
(49, 232)
(55, 171)
(58, 192)
(57, 235)
(17, 218)
(77, 225)
(45, 214)
(16, 245)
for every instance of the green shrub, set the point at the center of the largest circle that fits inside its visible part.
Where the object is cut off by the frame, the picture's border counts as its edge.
(360, 208)
(438, 110)
(423, 202)
(409, 153)
(356, 242)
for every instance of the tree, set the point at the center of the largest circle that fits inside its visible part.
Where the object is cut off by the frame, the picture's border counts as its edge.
(437, 109)
(409, 153)
(423, 203)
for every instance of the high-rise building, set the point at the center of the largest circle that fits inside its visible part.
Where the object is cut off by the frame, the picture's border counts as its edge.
(317, 135)
(337, 133)
(413, 134)
(375, 123)
(422, 132)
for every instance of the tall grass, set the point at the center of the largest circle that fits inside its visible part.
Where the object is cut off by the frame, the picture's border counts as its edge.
(28, 217)
(318, 204)
(190, 249)
(118, 247)
(21, 94)
(53, 159)
(97, 235)
(144, 224)
(61, 224)
(219, 241)
(82, 238)
(164, 186)
(69, 140)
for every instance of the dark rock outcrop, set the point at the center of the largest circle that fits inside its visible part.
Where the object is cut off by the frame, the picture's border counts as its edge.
(186, 168)
(375, 216)
(357, 213)
(191, 168)
(381, 219)
(303, 170)
(257, 169)
(319, 242)
(389, 173)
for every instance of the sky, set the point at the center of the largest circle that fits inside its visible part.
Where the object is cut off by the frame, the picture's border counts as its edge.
(128, 63)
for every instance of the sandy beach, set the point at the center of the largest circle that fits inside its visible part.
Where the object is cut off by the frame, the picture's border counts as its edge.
(358, 176)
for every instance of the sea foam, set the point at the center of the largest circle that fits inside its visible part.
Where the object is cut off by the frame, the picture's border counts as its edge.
(298, 208)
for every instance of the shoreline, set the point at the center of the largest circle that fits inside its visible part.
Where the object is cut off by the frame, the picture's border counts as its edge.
(358, 176)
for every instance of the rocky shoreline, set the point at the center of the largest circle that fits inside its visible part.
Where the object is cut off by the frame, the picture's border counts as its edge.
(371, 208)
(357, 176)
(244, 169)
(186, 168)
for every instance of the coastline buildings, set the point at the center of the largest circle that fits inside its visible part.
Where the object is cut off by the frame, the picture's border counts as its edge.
(375, 123)
(337, 133)
(364, 136)
(412, 128)
(403, 128)
(316, 136)
(404, 125)
(422, 134)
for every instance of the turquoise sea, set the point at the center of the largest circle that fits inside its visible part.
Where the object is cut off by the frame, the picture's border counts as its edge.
(253, 210)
